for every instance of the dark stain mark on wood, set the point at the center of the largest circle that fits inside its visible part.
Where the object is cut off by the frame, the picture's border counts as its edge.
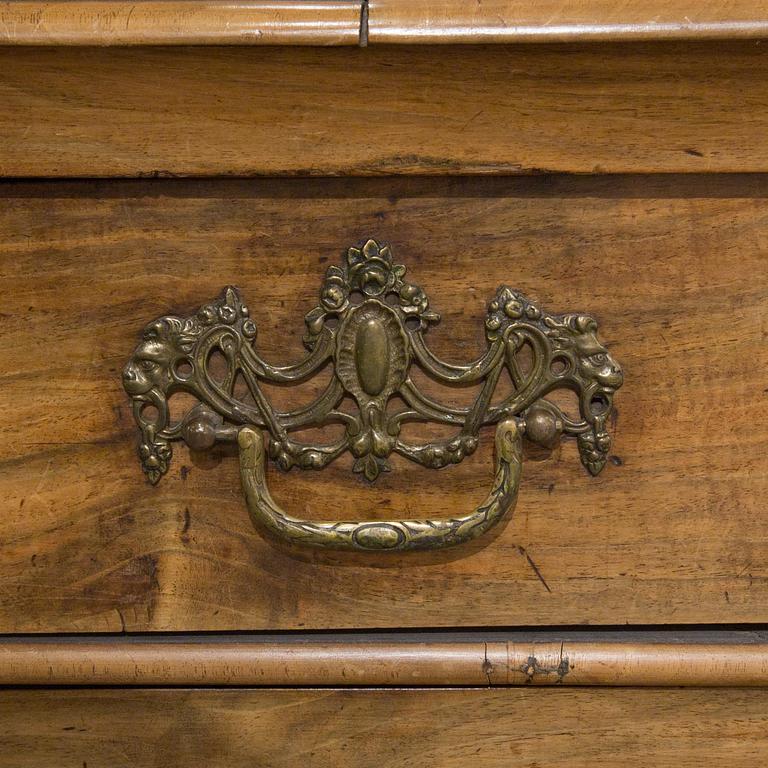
(363, 35)
(532, 668)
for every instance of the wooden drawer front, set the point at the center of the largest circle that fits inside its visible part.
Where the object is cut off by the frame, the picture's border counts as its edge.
(207, 111)
(441, 728)
(673, 530)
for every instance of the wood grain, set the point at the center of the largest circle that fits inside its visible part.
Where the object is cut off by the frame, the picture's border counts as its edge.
(310, 663)
(511, 728)
(180, 22)
(71, 112)
(672, 531)
(514, 21)
(346, 22)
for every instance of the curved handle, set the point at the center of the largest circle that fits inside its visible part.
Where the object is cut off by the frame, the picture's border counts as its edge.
(396, 535)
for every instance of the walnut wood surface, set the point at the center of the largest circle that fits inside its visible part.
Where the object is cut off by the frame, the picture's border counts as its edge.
(407, 110)
(672, 531)
(350, 22)
(511, 728)
(310, 663)
(180, 22)
(501, 21)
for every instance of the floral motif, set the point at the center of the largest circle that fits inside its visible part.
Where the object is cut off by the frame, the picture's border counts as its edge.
(594, 447)
(154, 458)
(370, 272)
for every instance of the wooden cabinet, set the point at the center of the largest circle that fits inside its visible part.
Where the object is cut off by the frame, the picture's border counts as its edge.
(599, 161)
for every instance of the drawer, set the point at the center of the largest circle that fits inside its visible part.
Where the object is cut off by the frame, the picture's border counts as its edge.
(671, 267)
(616, 107)
(513, 727)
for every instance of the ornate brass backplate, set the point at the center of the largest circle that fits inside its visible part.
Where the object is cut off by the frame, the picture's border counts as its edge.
(370, 325)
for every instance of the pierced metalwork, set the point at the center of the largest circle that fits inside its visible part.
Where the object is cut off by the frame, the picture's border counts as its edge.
(371, 326)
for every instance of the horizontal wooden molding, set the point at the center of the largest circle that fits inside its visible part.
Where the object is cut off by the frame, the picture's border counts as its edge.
(357, 22)
(338, 663)
(517, 21)
(180, 22)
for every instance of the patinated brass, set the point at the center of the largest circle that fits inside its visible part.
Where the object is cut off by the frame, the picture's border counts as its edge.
(397, 535)
(371, 326)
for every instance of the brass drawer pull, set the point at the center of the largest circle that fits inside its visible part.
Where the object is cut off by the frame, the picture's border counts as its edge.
(397, 535)
(370, 326)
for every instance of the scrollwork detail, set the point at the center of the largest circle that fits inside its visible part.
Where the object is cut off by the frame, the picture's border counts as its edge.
(370, 324)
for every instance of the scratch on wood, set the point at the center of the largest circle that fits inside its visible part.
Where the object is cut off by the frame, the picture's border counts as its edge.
(535, 568)
(44, 475)
(487, 666)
